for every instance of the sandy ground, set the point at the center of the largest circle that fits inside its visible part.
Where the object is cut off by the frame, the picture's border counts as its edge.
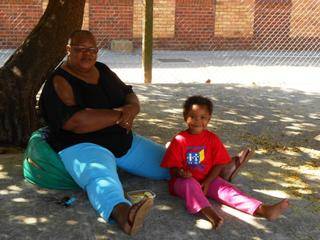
(259, 100)
(282, 123)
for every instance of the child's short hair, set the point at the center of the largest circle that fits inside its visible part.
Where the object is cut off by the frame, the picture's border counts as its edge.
(197, 100)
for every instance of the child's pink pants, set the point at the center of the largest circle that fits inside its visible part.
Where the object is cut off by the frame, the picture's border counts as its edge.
(219, 190)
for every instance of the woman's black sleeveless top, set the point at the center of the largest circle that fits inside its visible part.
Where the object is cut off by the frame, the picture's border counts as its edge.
(110, 92)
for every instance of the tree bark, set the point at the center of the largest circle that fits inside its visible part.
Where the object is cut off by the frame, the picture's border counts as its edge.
(26, 70)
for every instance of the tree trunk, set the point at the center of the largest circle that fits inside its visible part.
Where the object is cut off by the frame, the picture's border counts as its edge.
(26, 70)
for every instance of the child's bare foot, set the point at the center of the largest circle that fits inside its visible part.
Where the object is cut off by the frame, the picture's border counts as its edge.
(212, 216)
(272, 212)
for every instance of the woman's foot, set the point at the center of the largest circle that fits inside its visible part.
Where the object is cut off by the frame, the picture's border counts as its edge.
(212, 216)
(131, 219)
(272, 212)
(137, 214)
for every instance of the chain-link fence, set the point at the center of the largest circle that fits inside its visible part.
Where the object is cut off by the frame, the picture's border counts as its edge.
(206, 40)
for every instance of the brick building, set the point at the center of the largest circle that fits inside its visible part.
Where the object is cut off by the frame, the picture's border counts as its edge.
(183, 24)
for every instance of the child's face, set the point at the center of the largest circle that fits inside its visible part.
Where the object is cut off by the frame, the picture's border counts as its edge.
(197, 119)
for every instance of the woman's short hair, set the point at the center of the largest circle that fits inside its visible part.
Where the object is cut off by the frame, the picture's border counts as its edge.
(80, 34)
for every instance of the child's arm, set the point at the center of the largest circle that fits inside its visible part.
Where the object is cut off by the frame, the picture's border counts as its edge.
(180, 172)
(215, 171)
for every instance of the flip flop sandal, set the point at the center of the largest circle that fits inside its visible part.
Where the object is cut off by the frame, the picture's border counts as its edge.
(240, 161)
(141, 209)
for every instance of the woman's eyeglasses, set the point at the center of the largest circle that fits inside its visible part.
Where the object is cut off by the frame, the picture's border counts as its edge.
(81, 49)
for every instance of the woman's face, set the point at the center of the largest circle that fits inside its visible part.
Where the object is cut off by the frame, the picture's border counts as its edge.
(82, 53)
(197, 118)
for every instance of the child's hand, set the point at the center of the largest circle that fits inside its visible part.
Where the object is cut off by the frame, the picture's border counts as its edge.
(184, 174)
(205, 187)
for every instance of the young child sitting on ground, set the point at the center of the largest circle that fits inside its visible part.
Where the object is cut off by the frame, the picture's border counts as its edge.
(196, 157)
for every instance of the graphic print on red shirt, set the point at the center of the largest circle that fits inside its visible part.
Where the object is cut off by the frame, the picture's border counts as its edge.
(194, 156)
(197, 153)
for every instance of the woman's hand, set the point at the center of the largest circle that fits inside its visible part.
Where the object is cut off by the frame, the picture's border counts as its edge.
(128, 113)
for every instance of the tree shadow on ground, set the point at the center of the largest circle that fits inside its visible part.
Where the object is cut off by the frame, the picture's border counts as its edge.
(282, 125)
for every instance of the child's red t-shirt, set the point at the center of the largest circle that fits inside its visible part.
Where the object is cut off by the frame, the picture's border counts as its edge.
(196, 152)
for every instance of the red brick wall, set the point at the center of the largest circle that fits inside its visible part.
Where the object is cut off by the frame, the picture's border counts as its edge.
(198, 24)
(272, 23)
(194, 27)
(110, 19)
(17, 18)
